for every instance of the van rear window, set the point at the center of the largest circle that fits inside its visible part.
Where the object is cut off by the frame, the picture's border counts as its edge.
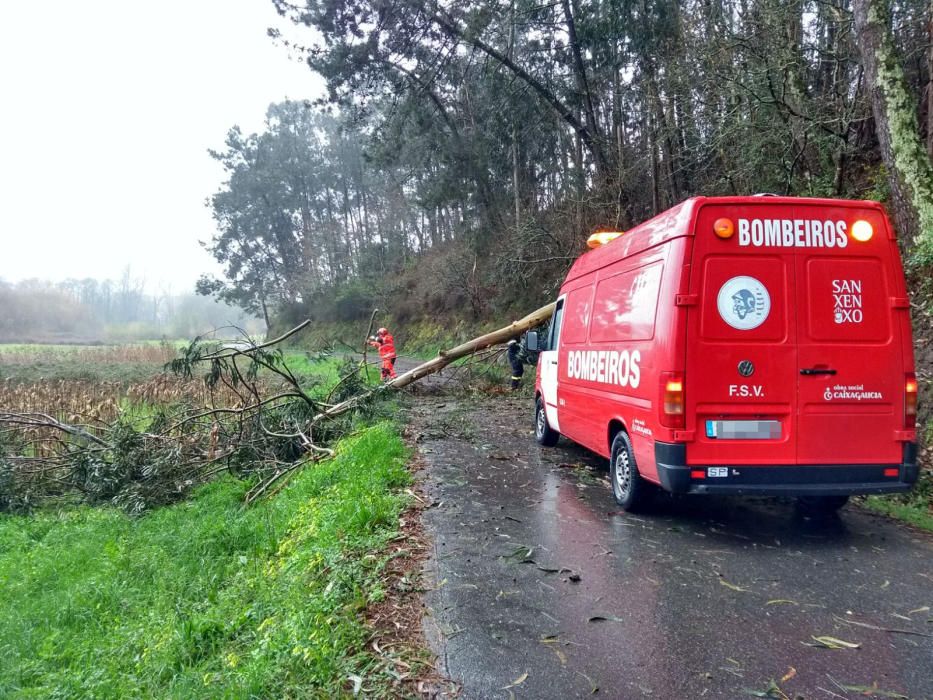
(625, 305)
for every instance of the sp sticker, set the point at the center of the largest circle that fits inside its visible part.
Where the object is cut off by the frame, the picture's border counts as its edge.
(743, 303)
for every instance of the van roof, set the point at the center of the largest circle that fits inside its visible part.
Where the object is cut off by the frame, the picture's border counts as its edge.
(678, 221)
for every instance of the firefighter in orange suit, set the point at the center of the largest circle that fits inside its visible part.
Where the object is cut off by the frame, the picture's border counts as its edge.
(385, 343)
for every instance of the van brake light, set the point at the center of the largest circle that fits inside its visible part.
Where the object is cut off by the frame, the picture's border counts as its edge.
(672, 399)
(910, 401)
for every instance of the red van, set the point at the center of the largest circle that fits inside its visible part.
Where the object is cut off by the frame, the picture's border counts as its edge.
(738, 345)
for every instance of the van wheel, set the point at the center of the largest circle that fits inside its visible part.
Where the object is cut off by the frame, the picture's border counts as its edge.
(544, 434)
(629, 489)
(821, 504)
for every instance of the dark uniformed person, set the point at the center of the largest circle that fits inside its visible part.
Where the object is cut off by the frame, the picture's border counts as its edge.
(515, 360)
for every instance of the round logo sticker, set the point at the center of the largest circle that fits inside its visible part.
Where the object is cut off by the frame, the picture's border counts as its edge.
(743, 303)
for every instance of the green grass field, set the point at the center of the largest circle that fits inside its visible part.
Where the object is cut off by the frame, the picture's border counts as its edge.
(205, 598)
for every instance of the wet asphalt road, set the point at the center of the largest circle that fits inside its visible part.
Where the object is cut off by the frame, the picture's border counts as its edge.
(541, 588)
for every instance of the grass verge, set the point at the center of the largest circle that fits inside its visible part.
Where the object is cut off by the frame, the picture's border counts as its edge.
(914, 507)
(206, 598)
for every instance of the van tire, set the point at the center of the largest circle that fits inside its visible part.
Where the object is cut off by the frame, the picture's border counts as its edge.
(628, 488)
(544, 434)
(821, 504)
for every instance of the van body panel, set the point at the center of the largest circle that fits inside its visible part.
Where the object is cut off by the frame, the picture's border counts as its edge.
(792, 339)
(617, 338)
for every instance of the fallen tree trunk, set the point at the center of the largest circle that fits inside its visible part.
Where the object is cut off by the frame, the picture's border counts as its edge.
(252, 424)
(444, 358)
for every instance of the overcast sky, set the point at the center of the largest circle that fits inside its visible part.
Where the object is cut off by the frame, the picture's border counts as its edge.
(109, 107)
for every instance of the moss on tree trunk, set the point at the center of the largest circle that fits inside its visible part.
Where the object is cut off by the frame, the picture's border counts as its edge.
(909, 169)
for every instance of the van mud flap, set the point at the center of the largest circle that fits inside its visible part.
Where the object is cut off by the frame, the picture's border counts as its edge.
(677, 476)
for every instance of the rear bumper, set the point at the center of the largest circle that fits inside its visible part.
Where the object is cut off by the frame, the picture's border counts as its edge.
(790, 480)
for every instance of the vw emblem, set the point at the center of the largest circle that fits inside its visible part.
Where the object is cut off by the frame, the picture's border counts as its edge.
(746, 368)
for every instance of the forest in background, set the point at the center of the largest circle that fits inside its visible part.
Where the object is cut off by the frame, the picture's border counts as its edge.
(99, 311)
(465, 151)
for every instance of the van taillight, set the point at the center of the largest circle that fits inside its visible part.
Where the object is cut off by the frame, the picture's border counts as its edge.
(910, 401)
(672, 399)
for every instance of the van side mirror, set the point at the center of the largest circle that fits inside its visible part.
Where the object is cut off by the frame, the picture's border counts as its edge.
(531, 341)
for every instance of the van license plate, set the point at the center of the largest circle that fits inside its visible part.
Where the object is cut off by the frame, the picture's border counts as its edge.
(717, 471)
(743, 429)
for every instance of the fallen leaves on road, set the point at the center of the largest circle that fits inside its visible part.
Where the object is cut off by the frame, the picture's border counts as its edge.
(828, 642)
(593, 687)
(548, 569)
(604, 618)
(868, 691)
(736, 670)
(773, 690)
(782, 601)
(520, 553)
(889, 630)
(518, 681)
(732, 586)
(552, 642)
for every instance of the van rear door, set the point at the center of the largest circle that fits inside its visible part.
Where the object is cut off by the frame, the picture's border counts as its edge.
(741, 364)
(851, 364)
(793, 322)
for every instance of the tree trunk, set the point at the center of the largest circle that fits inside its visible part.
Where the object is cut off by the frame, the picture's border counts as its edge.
(651, 134)
(910, 173)
(591, 140)
(515, 178)
(794, 93)
(623, 211)
(516, 197)
(930, 91)
(583, 87)
(580, 182)
(265, 312)
(444, 358)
